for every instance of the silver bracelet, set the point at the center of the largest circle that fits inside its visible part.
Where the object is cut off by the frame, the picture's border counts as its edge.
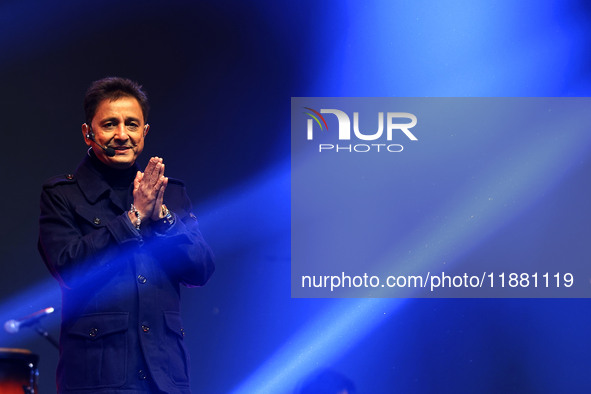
(138, 218)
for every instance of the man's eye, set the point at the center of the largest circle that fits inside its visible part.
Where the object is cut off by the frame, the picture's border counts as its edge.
(108, 125)
(133, 126)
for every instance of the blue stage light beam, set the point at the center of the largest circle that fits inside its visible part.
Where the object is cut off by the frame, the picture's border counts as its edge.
(319, 343)
(528, 172)
(530, 168)
(456, 48)
(458, 44)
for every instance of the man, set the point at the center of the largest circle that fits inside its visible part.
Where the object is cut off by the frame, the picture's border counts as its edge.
(120, 241)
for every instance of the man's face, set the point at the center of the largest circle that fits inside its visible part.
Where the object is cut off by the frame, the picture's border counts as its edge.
(118, 124)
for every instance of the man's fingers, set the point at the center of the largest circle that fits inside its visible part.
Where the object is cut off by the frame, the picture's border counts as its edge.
(138, 179)
(157, 175)
(157, 213)
(160, 197)
(153, 171)
(150, 167)
(149, 188)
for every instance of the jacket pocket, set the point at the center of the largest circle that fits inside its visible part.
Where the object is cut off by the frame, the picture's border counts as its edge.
(91, 218)
(94, 351)
(178, 358)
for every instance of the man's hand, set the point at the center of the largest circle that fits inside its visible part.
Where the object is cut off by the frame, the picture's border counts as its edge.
(148, 190)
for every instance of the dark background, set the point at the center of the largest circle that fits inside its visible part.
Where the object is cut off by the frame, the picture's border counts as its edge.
(220, 76)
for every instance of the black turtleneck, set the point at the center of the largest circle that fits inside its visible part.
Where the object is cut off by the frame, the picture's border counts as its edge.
(120, 180)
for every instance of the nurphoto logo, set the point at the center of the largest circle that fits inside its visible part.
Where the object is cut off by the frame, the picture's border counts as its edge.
(392, 126)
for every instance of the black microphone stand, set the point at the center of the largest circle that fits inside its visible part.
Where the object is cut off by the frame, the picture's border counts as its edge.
(43, 332)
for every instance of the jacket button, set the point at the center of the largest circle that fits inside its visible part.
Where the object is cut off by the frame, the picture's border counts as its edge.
(182, 331)
(93, 332)
(70, 176)
(142, 279)
(145, 328)
(141, 374)
(97, 221)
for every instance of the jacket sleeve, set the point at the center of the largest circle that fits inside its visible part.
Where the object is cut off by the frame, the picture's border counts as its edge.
(182, 248)
(70, 253)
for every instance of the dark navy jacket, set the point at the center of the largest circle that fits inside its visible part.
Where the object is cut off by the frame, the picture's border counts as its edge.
(121, 326)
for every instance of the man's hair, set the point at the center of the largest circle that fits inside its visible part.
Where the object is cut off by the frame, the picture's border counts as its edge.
(113, 88)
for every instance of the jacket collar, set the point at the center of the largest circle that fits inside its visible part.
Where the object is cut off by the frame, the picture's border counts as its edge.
(91, 181)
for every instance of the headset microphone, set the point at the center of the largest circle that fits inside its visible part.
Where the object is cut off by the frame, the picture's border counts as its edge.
(108, 151)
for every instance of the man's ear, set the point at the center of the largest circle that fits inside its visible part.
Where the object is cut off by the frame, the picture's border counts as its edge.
(146, 128)
(86, 133)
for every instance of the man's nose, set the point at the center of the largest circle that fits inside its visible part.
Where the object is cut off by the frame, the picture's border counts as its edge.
(121, 132)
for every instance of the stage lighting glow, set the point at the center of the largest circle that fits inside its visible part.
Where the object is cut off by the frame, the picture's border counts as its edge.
(323, 340)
